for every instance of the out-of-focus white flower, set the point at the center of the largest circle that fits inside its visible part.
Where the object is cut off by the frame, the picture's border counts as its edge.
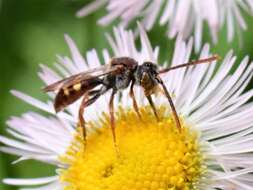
(183, 17)
(213, 103)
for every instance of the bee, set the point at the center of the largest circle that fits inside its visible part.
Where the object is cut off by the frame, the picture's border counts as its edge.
(115, 76)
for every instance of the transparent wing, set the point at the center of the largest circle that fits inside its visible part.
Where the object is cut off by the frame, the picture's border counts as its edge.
(86, 75)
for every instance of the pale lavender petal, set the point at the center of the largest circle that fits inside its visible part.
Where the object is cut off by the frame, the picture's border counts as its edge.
(33, 181)
(184, 18)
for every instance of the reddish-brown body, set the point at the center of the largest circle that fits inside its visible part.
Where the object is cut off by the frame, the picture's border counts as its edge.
(118, 75)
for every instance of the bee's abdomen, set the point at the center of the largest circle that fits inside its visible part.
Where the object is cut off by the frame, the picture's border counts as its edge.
(70, 94)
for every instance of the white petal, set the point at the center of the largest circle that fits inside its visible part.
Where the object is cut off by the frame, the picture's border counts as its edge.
(76, 56)
(33, 181)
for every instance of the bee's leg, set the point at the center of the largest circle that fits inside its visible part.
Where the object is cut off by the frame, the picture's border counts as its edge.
(174, 111)
(85, 103)
(135, 105)
(111, 109)
(152, 106)
(81, 121)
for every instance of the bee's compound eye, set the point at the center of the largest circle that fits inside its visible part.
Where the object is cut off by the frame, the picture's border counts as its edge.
(147, 64)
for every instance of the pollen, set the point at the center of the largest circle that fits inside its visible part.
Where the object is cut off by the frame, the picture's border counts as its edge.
(152, 155)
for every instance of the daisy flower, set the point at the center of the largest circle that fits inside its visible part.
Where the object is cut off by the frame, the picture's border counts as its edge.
(181, 17)
(214, 149)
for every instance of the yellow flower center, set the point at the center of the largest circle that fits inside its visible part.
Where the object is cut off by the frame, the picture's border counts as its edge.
(153, 155)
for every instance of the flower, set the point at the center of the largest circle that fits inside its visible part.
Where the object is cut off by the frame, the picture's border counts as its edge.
(181, 17)
(213, 150)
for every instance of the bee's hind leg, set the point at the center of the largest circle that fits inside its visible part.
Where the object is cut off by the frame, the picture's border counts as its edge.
(81, 121)
(85, 103)
(112, 120)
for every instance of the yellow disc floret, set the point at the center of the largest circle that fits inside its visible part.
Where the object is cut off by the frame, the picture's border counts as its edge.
(152, 155)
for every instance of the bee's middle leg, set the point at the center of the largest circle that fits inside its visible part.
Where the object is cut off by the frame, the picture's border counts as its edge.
(150, 100)
(135, 105)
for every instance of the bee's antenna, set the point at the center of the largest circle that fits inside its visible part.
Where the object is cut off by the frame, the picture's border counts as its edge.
(200, 61)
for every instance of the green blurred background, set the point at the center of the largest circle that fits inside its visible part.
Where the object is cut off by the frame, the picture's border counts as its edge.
(31, 32)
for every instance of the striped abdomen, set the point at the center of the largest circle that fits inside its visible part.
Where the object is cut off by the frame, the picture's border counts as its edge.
(71, 93)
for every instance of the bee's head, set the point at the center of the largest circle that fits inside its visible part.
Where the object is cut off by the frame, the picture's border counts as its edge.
(150, 68)
(146, 76)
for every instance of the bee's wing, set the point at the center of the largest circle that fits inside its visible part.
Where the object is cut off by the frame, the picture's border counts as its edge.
(87, 75)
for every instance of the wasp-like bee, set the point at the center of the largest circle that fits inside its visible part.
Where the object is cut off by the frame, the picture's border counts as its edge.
(115, 76)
